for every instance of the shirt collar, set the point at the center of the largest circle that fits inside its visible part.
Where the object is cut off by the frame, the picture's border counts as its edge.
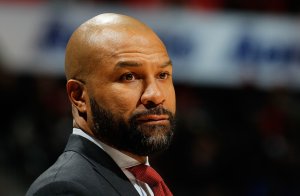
(122, 160)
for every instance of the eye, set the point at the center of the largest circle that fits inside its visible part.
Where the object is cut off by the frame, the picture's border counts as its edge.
(128, 77)
(163, 75)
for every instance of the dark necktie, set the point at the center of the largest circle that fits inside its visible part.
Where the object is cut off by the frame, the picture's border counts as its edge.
(148, 175)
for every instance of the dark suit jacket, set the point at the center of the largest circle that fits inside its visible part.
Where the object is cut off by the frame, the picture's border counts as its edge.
(82, 169)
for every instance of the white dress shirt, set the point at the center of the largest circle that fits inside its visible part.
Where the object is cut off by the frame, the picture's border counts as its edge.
(123, 161)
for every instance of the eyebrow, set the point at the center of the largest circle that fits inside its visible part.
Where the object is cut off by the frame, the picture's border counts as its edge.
(168, 63)
(137, 64)
(128, 64)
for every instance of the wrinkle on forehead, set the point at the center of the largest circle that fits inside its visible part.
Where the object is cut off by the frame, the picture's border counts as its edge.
(91, 42)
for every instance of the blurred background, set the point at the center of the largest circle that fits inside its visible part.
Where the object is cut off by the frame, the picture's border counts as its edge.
(237, 79)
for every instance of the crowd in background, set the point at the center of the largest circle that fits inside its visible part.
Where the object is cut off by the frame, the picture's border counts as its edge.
(264, 6)
(241, 141)
(272, 6)
(228, 141)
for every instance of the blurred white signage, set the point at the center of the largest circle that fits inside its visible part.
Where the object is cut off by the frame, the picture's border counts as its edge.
(206, 48)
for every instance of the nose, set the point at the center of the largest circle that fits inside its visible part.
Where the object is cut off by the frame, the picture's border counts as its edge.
(152, 95)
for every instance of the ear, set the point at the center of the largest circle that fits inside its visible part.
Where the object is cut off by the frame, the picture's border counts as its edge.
(77, 95)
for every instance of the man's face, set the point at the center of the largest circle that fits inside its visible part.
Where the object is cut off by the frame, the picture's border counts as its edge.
(132, 97)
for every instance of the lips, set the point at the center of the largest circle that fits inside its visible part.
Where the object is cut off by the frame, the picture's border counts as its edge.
(154, 119)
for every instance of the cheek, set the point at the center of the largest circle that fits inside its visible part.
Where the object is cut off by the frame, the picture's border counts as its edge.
(172, 99)
(122, 104)
(123, 101)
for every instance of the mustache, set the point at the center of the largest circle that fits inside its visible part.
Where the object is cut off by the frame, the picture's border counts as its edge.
(154, 111)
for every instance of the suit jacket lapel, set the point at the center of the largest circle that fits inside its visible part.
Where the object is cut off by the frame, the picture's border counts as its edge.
(103, 164)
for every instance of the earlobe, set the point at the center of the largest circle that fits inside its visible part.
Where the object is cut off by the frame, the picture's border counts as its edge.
(77, 94)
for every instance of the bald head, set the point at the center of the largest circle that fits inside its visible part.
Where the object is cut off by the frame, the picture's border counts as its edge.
(118, 70)
(97, 39)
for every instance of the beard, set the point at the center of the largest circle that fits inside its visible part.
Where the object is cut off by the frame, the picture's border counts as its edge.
(132, 136)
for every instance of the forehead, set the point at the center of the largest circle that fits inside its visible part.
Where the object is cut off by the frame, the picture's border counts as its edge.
(128, 45)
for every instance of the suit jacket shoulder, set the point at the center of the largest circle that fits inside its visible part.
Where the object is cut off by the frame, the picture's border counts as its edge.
(82, 169)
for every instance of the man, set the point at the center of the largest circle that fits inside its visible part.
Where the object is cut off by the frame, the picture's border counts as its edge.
(119, 82)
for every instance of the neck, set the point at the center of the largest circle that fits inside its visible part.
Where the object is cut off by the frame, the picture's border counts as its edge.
(141, 159)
